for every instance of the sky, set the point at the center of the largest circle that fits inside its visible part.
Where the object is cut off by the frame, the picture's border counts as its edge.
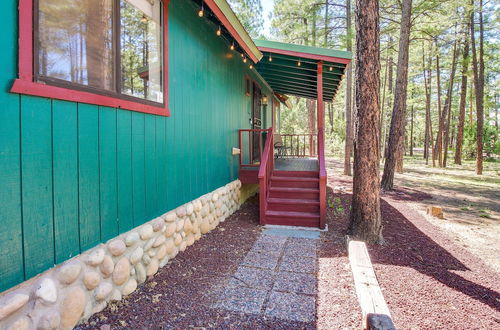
(267, 6)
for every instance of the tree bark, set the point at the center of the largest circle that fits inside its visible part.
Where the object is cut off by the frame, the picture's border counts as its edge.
(311, 123)
(447, 105)
(365, 219)
(463, 96)
(396, 134)
(428, 124)
(437, 153)
(348, 98)
(411, 131)
(478, 65)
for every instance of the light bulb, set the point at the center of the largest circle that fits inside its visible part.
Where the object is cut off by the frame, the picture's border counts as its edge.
(200, 13)
(231, 47)
(298, 63)
(331, 69)
(251, 66)
(219, 32)
(270, 58)
(244, 59)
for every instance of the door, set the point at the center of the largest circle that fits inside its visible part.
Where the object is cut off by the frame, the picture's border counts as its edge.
(256, 122)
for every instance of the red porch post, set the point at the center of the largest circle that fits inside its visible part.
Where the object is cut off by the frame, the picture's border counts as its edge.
(321, 147)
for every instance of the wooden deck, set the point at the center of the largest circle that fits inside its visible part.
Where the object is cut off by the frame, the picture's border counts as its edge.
(296, 164)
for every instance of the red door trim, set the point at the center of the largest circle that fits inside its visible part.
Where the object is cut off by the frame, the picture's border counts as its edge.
(26, 85)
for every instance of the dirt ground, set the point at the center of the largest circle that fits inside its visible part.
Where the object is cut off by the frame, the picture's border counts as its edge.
(471, 203)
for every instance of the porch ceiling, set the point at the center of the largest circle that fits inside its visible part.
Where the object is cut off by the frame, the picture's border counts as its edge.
(279, 67)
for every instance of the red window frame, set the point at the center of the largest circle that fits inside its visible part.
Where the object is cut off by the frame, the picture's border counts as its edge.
(25, 83)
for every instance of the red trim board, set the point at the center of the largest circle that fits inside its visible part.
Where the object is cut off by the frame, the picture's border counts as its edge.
(25, 84)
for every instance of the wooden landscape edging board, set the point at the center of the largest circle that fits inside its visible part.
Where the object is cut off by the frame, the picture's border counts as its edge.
(374, 309)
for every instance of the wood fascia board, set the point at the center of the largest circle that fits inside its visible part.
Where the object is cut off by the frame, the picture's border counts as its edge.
(228, 18)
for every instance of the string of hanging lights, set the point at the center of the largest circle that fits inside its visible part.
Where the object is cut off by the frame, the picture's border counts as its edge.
(219, 32)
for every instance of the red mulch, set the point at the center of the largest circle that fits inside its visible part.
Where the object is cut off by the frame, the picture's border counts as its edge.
(428, 281)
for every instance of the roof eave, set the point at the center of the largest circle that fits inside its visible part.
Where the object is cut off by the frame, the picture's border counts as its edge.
(228, 18)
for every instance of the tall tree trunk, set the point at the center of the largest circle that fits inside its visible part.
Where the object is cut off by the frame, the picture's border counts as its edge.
(478, 65)
(428, 125)
(348, 98)
(382, 104)
(325, 42)
(396, 134)
(447, 105)
(438, 154)
(390, 98)
(365, 220)
(330, 116)
(463, 96)
(411, 131)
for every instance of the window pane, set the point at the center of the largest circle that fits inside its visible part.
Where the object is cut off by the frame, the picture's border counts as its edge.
(76, 41)
(141, 49)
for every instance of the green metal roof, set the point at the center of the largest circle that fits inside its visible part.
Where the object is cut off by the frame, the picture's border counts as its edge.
(280, 68)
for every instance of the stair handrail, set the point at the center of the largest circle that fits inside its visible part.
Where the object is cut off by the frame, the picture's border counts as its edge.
(322, 178)
(265, 172)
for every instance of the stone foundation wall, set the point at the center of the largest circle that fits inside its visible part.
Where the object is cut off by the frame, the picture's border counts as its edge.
(73, 291)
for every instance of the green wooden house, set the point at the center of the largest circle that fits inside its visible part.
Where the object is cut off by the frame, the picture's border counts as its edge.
(124, 121)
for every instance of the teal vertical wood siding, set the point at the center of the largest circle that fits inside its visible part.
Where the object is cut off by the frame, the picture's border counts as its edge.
(74, 175)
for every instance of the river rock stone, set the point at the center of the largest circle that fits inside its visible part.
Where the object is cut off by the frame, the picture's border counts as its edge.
(170, 246)
(146, 259)
(159, 241)
(72, 307)
(103, 290)
(157, 224)
(151, 253)
(129, 287)
(121, 271)
(190, 239)
(177, 239)
(183, 246)
(132, 238)
(117, 247)
(91, 280)
(96, 257)
(149, 244)
(215, 197)
(197, 205)
(152, 267)
(49, 321)
(47, 291)
(204, 210)
(162, 252)
(69, 272)
(205, 226)
(189, 209)
(116, 295)
(170, 216)
(12, 304)
(136, 256)
(146, 232)
(181, 211)
(180, 225)
(170, 229)
(140, 272)
(22, 323)
(188, 226)
(107, 266)
(99, 307)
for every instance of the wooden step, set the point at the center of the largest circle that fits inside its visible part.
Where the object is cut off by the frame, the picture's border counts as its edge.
(293, 205)
(284, 218)
(297, 182)
(298, 193)
(303, 174)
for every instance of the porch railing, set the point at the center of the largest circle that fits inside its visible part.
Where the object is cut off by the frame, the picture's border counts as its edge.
(265, 173)
(251, 143)
(322, 178)
(296, 145)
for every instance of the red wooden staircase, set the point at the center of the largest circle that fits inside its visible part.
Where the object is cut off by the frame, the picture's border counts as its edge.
(293, 199)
